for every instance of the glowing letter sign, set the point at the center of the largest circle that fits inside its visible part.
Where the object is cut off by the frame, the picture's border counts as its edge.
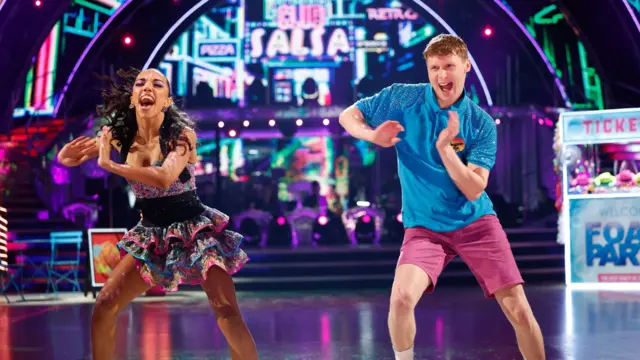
(217, 49)
(301, 31)
(305, 17)
(391, 14)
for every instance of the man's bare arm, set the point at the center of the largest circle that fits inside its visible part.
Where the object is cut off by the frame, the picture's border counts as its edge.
(353, 121)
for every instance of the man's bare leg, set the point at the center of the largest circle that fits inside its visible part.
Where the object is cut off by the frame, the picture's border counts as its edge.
(517, 309)
(409, 284)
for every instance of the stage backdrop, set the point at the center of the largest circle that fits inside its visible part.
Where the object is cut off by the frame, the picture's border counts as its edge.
(300, 53)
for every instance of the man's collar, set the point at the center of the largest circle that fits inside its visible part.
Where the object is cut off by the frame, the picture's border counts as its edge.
(432, 101)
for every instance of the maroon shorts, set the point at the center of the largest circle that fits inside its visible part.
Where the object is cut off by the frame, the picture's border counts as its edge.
(482, 245)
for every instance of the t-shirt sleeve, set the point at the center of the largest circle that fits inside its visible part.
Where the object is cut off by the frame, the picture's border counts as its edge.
(379, 108)
(483, 150)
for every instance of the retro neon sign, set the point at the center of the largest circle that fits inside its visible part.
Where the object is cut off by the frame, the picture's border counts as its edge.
(383, 14)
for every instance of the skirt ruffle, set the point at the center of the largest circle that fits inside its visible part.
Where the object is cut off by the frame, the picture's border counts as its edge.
(183, 252)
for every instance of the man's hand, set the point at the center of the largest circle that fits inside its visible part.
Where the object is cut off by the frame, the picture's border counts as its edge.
(386, 135)
(447, 135)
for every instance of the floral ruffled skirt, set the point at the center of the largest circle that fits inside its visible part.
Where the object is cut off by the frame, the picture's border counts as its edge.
(183, 252)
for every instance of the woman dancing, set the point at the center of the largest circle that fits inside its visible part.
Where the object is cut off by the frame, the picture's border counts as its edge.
(178, 240)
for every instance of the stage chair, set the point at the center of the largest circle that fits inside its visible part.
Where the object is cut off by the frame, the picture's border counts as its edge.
(69, 275)
(8, 278)
(302, 221)
(351, 217)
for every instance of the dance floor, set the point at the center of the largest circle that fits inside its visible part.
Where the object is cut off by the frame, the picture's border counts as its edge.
(453, 323)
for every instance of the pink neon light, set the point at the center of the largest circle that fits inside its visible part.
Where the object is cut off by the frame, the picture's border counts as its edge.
(300, 17)
(39, 93)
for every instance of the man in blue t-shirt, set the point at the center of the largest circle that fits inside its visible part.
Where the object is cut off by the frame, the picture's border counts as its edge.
(446, 146)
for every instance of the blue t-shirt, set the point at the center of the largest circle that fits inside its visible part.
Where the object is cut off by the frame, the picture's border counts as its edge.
(430, 198)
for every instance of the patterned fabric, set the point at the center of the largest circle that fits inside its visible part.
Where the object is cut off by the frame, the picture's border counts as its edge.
(144, 191)
(184, 251)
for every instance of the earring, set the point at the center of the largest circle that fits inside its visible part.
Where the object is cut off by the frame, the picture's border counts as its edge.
(164, 109)
(131, 106)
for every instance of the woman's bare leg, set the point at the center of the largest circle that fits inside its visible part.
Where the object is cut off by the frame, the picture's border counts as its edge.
(222, 297)
(124, 285)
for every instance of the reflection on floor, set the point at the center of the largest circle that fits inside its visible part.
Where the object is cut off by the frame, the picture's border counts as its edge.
(454, 323)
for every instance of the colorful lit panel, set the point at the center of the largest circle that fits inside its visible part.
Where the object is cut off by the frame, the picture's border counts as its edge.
(567, 61)
(45, 78)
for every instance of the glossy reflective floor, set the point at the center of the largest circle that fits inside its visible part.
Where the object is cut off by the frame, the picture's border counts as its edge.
(453, 323)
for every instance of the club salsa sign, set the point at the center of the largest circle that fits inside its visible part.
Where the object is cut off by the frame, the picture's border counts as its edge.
(301, 31)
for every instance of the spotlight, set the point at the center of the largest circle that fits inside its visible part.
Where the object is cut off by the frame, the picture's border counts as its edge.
(232, 133)
(246, 123)
(322, 220)
(498, 121)
(220, 124)
(540, 121)
(281, 221)
(399, 217)
(299, 122)
(325, 122)
(366, 219)
(272, 123)
(127, 40)
(38, 3)
(488, 31)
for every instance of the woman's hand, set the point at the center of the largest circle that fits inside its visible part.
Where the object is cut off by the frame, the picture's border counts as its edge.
(104, 149)
(78, 151)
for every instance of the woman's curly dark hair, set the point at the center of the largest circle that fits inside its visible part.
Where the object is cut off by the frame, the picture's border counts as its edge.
(122, 119)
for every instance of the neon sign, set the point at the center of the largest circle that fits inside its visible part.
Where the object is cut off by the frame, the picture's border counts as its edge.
(280, 43)
(301, 31)
(384, 14)
(289, 17)
(217, 49)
